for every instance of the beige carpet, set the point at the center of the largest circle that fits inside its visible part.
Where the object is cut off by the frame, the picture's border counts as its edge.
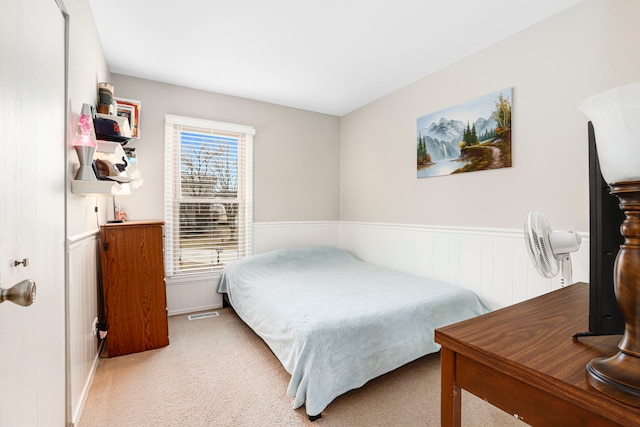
(217, 372)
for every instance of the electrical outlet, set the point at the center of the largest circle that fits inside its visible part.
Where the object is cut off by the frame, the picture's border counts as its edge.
(94, 327)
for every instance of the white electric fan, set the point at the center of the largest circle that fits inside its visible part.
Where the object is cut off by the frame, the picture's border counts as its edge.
(550, 250)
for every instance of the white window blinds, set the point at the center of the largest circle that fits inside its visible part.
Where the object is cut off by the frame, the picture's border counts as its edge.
(208, 194)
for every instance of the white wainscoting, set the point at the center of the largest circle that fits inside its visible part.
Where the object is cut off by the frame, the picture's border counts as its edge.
(491, 262)
(192, 293)
(82, 345)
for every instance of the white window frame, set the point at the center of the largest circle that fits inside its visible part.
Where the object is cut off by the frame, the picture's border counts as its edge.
(173, 126)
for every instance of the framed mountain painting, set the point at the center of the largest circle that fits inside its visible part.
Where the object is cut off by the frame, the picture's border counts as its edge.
(469, 137)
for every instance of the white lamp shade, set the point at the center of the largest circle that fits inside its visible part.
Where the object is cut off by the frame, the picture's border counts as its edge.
(615, 115)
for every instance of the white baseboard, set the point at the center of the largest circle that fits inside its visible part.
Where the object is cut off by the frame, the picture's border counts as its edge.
(79, 406)
(189, 310)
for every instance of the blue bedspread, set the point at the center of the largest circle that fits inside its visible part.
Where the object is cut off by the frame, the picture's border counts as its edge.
(336, 322)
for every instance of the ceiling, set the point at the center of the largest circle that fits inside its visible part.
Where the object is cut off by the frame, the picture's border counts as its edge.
(329, 56)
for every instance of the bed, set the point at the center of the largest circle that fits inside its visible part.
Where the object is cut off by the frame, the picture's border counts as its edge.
(336, 322)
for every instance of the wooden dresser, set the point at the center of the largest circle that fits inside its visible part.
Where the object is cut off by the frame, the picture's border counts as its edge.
(133, 285)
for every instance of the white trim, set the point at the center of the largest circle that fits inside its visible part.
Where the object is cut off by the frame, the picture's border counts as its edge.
(173, 198)
(212, 124)
(277, 224)
(77, 239)
(245, 189)
(192, 309)
(191, 278)
(87, 386)
(483, 231)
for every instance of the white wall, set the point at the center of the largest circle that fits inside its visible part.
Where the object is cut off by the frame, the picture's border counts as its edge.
(351, 180)
(296, 152)
(86, 67)
(465, 228)
(552, 66)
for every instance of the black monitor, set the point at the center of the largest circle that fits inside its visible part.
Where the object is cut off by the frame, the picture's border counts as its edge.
(605, 218)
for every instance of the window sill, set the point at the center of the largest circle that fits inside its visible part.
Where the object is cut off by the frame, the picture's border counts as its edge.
(193, 278)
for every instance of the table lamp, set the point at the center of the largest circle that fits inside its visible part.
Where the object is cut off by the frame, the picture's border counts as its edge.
(615, 115)
(84, 142)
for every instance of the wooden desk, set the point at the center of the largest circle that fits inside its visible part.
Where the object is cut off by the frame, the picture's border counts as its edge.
(524, 360)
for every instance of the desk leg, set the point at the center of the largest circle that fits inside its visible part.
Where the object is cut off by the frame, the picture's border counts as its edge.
(450, 401)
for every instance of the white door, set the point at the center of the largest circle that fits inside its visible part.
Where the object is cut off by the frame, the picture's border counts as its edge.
(32, 204)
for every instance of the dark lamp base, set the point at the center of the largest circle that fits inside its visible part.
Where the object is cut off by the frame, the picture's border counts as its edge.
(616, 377)
(619, 376)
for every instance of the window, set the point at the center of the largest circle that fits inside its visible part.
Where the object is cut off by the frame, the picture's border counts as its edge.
(208, 183)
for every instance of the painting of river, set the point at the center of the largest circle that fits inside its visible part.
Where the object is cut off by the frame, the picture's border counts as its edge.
(469, 137)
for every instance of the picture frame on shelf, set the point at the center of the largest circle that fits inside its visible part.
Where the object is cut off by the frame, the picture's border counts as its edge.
(130, 108)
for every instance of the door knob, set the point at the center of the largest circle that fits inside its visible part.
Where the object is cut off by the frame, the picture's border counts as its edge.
(23, 293)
